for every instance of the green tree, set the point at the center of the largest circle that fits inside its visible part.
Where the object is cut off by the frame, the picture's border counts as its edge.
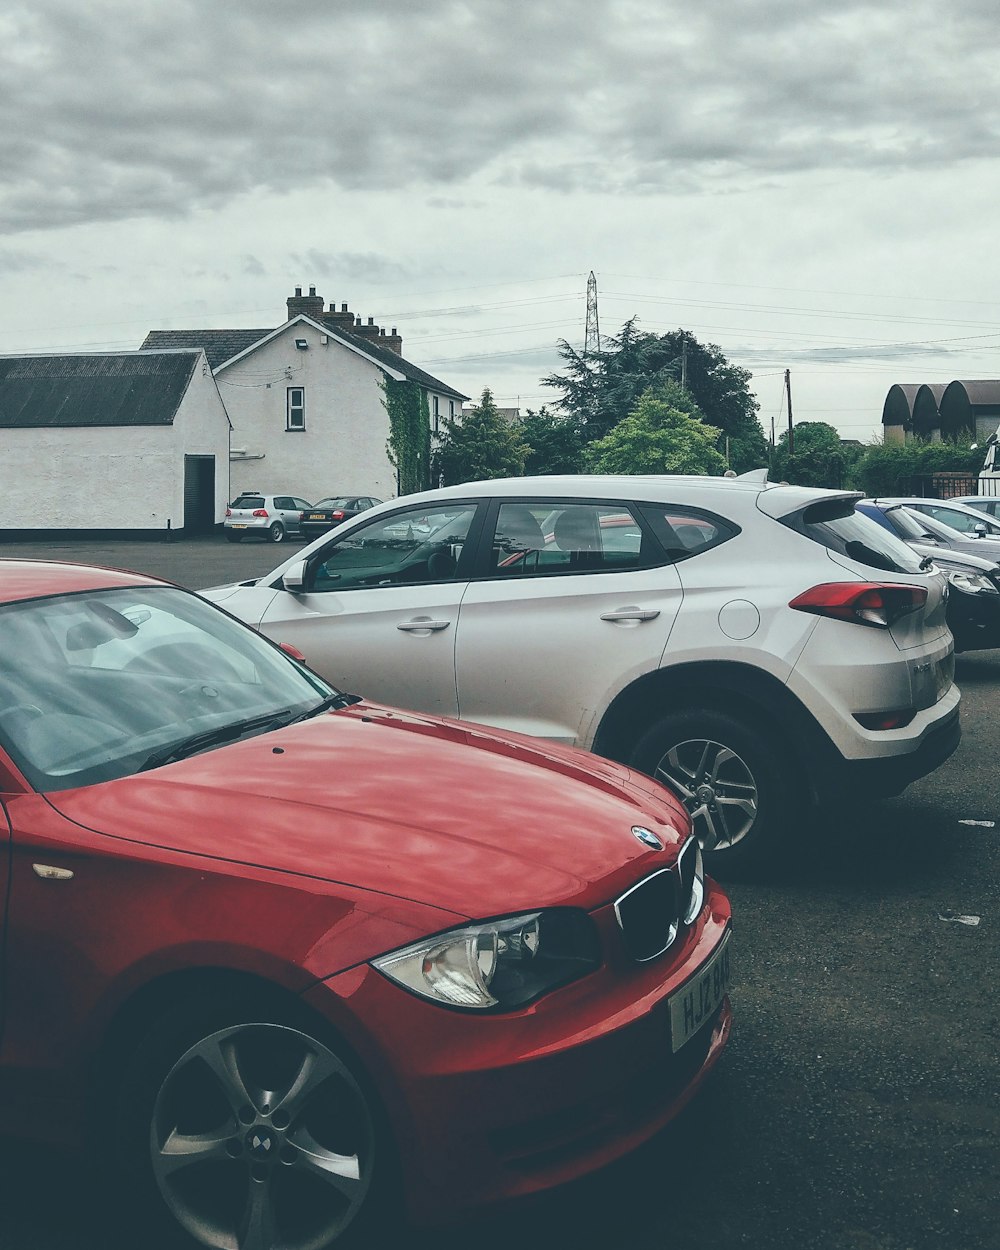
(665, 433)
(819, 458)
(555, 444)
(481, 445)
(600, 390)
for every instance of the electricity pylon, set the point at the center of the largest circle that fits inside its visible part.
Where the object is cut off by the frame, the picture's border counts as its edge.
(592, 337)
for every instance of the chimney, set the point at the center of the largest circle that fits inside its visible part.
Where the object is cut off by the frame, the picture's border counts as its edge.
(310, 305)
(342, 320)
(394, 342)
(369, 331)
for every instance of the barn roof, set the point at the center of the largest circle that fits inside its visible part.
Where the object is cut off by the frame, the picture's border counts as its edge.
(101, 389)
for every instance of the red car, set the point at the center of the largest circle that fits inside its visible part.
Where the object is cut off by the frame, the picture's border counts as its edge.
(284, 954)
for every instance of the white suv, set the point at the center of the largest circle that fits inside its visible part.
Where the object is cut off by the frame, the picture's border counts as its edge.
(755, 647)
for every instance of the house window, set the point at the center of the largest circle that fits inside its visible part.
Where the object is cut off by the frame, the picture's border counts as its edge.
(437, 415)
(295, 417)
(451, 410)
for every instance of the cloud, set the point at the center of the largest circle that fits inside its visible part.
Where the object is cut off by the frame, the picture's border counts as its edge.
(361, 267)
(114, 111)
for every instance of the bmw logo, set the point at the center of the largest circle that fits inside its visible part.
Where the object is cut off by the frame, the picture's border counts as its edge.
(647, 838)
(259, 1143)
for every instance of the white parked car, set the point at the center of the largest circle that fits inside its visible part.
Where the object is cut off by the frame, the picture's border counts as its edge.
(759, 648)
(958, 516)
(267, 516)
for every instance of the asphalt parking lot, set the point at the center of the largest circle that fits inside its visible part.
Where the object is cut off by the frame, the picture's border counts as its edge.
(858, 1104)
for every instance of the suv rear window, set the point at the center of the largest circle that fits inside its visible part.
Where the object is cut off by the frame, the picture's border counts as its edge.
(248, 501)
(836, 526)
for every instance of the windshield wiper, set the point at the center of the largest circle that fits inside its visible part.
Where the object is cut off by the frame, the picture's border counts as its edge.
(237, 729)
(330, 703)
(213, 737)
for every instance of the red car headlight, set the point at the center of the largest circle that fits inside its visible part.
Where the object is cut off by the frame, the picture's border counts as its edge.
(501, 964)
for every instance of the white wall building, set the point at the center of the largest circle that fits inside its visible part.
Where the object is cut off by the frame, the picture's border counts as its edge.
(306, 399)
(126, 442)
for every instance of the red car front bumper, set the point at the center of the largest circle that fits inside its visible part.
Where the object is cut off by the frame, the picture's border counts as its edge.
(486, 1108)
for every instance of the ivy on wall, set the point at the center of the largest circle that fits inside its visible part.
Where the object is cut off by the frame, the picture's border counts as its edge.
(409, 443)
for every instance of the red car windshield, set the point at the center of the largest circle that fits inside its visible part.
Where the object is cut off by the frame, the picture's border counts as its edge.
(95, 685)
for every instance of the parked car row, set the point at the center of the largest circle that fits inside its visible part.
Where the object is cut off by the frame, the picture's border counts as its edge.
(352, 929)
(972, 565)
(272, 517)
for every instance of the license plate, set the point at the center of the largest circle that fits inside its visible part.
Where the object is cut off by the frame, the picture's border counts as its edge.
(696, 1002)
(317, 516)
(237, 527)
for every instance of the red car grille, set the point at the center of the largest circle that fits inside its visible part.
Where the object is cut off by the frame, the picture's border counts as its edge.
(652, 913)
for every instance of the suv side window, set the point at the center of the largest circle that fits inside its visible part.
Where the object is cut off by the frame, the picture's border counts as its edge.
(546, 537)
(685, 532)
(418, 545)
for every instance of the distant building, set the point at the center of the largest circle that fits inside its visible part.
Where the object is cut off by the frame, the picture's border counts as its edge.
(305, 399)
(937, 411)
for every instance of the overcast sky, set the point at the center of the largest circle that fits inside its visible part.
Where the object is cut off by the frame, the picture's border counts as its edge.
(809, 185)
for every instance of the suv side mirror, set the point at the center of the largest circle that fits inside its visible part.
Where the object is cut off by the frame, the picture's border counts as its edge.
(980, 529)
(294, 579)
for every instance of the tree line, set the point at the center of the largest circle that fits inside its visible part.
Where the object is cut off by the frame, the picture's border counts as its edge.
(666, 403)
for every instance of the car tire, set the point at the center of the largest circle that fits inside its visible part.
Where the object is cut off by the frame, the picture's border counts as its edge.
(308, 1164)
(233, 538)
(275, 532)
(728, 774)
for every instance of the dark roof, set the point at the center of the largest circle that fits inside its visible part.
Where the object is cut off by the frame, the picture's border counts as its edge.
(219, 345)
(222, 345)
(124, 388)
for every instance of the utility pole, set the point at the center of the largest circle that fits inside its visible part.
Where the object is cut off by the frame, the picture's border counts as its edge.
(788, 392)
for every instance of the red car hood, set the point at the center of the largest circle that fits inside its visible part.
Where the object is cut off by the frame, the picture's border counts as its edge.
(439, 812)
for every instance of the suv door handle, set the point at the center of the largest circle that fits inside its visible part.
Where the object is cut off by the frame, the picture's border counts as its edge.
(423, 623)
(631, 614)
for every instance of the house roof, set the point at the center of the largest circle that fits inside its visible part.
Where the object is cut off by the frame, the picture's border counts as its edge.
(120, 388)
(218, 345)
(221, 346)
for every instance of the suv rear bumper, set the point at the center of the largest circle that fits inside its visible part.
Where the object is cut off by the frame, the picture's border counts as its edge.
(882, 778)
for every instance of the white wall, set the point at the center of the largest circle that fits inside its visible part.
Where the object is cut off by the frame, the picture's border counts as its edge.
(113, 477)
(343, 446)
(72, 478)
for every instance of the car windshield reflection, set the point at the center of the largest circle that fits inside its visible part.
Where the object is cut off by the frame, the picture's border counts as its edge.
(93, 686)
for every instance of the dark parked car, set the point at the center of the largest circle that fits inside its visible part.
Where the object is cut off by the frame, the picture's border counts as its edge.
(333, 511)
(974, 599)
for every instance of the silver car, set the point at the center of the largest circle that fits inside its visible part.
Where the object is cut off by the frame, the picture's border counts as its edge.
(267, 516)
(761, 649)
(959, 516)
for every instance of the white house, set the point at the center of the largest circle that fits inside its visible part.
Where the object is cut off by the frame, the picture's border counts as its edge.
(135, 443)
(306, 399)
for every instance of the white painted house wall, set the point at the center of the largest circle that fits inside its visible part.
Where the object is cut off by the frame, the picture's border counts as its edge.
(343, 446)
(113, 477)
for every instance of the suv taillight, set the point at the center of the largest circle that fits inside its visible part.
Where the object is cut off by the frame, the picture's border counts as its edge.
(338, 515)
(229, 512)
(864, 603)
(260, 512)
